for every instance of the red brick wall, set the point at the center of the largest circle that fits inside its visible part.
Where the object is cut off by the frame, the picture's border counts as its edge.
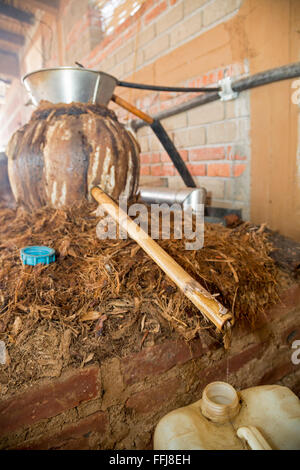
(117, 404)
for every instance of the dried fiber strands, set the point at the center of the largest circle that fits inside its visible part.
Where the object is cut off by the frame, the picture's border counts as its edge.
(107, 294)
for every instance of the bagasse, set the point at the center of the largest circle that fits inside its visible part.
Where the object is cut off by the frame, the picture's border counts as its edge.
(105, 298)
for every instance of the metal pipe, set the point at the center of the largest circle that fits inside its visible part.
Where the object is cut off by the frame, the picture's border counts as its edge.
(187, 197)
(264, 78)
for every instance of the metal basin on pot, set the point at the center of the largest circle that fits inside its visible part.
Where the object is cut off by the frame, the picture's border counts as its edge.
(68, 84)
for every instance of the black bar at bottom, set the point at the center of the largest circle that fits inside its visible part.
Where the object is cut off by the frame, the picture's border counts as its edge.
(170, 148)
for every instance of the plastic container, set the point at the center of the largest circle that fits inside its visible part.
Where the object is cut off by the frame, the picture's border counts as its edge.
(258, 418)
(33, 255)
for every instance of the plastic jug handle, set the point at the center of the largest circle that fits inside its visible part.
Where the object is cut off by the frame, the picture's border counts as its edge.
(253, 437)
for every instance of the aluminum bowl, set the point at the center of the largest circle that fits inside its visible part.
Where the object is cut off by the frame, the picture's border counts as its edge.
(68, 84)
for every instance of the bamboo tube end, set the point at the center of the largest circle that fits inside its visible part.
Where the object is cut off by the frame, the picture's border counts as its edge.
(209, 306)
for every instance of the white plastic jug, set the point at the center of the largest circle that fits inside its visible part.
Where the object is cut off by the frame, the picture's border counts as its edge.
(258, 418)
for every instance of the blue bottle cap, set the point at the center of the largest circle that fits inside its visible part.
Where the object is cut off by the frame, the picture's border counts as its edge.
(34, 255)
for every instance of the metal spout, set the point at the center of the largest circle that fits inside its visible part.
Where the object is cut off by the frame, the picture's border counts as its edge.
(187, 197)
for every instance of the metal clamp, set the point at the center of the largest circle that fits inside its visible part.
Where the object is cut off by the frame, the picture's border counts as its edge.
(227, 93)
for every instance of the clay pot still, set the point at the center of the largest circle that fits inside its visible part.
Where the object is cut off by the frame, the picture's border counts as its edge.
(65, 150)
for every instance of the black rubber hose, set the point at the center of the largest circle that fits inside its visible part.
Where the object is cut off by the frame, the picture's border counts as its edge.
(7, 82)
(142, 86)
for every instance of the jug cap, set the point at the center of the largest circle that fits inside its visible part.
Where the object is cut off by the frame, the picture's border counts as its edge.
(34, 255)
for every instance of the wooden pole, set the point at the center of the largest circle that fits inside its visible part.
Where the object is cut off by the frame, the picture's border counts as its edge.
(132, 109)
(201, 298)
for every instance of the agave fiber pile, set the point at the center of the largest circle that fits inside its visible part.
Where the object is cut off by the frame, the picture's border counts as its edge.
(105, 297)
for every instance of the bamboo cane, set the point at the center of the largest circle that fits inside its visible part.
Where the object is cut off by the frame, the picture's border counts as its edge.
(201, 298)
